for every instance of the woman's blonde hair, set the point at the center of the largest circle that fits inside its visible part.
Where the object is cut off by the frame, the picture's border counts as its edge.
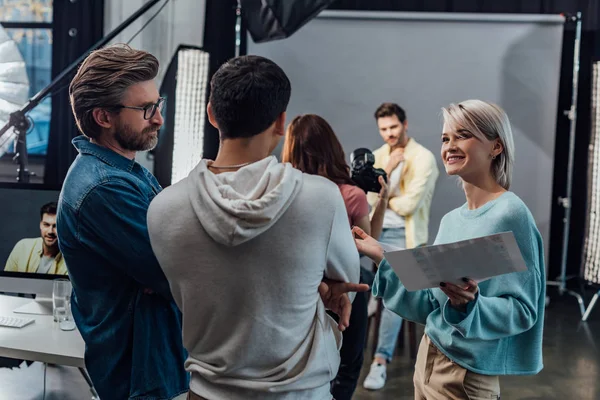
(489, 121)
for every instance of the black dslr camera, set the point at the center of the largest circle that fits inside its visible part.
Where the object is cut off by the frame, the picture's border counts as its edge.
(363, 173)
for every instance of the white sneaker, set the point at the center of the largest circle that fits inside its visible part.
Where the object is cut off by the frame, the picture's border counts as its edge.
(372, 306)
(376, 378)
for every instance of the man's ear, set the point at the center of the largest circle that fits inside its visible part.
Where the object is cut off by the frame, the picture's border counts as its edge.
(102, 118)
(211, 116)
(280, 124)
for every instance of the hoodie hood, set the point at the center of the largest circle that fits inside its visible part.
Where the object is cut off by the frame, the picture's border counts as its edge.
(234, 207)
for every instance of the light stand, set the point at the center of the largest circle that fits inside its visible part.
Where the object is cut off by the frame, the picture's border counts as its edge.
(18, 119)
(21, 125)
(566, 202)
(590, 306)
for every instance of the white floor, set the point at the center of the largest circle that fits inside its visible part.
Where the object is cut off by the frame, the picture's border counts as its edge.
(27, 383)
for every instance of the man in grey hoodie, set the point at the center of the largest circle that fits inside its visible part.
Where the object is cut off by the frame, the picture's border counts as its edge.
(245, 242)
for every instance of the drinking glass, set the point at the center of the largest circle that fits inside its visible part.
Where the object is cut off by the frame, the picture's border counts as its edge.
(61, 300)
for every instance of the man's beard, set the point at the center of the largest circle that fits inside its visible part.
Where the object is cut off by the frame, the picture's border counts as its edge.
(398, 141)
(130, 140)
(53, 248)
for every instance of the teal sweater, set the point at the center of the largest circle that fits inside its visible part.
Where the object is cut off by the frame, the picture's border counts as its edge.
(501, 331)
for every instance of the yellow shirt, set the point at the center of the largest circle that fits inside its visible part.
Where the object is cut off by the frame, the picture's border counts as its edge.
(417, 185)
(27, 255)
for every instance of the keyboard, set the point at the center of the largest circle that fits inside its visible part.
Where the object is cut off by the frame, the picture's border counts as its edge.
(13, 322)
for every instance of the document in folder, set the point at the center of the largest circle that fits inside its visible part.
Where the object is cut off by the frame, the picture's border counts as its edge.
(478, 259)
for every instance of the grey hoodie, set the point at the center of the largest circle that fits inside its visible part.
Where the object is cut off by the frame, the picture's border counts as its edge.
(244, 253)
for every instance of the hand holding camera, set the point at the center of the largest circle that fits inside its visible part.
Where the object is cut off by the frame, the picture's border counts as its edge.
(384, 193)
(363, 173)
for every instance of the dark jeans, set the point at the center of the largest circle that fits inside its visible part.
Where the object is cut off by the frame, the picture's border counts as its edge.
(344, 384)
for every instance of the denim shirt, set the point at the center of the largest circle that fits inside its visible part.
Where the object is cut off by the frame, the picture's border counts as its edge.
(121, 299)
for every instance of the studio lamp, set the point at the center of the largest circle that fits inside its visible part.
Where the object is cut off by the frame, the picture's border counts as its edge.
(181, 139)
(591, 255)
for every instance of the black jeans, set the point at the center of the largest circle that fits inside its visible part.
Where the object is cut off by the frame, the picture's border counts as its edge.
(351, 353)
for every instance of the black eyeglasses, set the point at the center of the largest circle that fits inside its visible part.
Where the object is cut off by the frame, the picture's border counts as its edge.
(148, 110)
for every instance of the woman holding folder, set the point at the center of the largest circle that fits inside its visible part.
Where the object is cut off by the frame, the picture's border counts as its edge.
(474, 333)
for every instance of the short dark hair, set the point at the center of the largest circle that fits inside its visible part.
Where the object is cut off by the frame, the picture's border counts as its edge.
(102, 80)
(247, 95)
(49, 208)
(389, 109)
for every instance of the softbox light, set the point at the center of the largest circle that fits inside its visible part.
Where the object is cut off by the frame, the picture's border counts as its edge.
(591, 252)
(181, 138)
(591, 257)
(268, 20)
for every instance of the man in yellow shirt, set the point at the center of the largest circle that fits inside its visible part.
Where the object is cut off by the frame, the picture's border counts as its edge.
(412, 172)
(39, 255)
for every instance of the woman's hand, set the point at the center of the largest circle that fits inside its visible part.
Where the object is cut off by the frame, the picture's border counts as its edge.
(460, 296)
(379, 212)
(367, 245)
(383, 193)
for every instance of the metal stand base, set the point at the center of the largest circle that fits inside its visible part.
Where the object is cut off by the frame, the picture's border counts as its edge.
(590, 306)
(90, 384)
(39, 306)
(562, 291)
(566, 201)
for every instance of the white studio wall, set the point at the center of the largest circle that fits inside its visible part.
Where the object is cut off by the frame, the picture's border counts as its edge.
(342, 65)
(180, 22)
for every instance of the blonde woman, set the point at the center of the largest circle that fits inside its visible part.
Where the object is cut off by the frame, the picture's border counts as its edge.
(474, 333)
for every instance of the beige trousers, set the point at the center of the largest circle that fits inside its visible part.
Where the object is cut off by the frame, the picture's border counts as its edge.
(193, 396)
(439, 378)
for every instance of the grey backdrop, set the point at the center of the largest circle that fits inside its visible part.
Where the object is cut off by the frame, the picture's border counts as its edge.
(342, 65)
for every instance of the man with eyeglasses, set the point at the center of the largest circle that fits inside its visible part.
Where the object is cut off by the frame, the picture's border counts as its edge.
(121, 302)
